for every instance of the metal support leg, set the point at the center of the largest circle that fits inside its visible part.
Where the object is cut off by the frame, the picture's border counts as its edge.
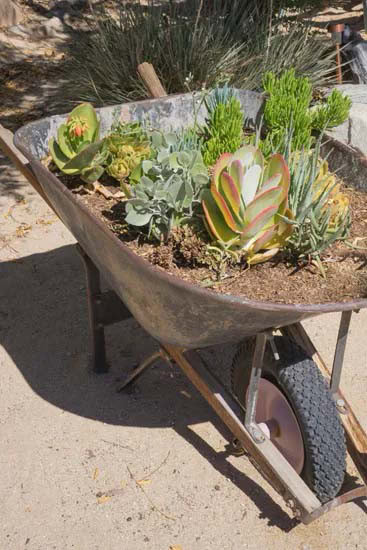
(96, 329)
(141, 368)
(339, 356)
(251, 399)
(105, 308)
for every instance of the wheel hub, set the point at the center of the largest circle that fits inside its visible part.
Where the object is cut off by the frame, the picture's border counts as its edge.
(278, 422)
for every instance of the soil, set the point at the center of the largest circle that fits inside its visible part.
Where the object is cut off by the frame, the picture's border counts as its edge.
(185, 255)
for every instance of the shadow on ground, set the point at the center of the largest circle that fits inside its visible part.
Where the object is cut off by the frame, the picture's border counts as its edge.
(44, 330)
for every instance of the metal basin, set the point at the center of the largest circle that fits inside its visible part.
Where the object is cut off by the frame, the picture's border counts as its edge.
(171, 310)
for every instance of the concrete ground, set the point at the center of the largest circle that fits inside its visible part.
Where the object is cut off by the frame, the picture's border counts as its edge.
(84, 467)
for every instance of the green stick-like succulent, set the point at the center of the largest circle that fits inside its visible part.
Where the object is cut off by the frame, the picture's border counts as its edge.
(78, 150)
(245, 205)
(288, 105)
(224, 124)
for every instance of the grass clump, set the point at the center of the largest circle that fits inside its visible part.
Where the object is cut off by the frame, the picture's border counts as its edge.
(191, 48)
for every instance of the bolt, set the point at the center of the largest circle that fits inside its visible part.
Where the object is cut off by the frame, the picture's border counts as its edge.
(257, 434)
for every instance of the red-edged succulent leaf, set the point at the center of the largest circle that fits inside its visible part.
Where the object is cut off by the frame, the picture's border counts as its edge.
(264, 241)
(249, 155)
(270, 198)
(215, 221)
(277, 165)
(230, 191)
(261, 257)
(274, 181)
(223, 207)
(258, 223)
(219, 166)
(285, 229)
(236, 172)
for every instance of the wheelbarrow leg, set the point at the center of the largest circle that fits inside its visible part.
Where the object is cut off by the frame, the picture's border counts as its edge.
(105, 308)
(96, 329)
(138, 371)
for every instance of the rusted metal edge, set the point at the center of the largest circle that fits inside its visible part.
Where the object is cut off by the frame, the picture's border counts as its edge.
(20, 162)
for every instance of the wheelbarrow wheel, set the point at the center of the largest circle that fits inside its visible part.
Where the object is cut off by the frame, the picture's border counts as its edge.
(296, 410)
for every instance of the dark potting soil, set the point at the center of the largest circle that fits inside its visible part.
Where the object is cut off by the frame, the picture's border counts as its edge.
(185, 255)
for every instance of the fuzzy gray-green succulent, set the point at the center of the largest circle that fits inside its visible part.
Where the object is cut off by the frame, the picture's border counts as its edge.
(169, 189)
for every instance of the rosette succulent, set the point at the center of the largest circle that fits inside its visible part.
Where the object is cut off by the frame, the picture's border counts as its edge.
(246, 204)
(128, 146)
(78, 150)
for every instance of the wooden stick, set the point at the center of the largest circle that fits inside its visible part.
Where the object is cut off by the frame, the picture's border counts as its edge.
(20, 162)
(151, 80)
(355, 435)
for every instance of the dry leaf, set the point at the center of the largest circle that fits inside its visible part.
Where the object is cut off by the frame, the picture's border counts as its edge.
(144, 481)
(95, 473)
(103, 499)
(41, 221)
(22, 229)
(175, 547)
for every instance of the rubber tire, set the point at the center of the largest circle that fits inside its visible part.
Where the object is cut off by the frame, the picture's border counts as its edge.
(298, 377)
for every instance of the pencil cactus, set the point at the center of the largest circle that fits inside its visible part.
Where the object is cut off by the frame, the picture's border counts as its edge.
(246, 202)
(78, 150)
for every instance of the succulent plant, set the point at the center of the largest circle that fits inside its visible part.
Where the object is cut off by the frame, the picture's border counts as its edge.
(168, 191)
(288, 105)
(78, 149)
(337, 202)
(320, 209)
(128, 146)
(333, 112)
(224, 124)
(246, 204)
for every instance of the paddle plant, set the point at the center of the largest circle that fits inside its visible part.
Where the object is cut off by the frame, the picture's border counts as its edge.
(246, 205)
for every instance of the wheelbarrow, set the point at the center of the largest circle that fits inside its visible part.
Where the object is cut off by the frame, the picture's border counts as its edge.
(281, 410)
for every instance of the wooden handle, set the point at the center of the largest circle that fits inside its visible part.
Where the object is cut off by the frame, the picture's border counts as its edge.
(151, 80)
(19, 161)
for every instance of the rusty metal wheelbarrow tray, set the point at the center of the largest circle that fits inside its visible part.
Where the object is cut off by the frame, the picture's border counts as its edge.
(171, 310)
(181, 316)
